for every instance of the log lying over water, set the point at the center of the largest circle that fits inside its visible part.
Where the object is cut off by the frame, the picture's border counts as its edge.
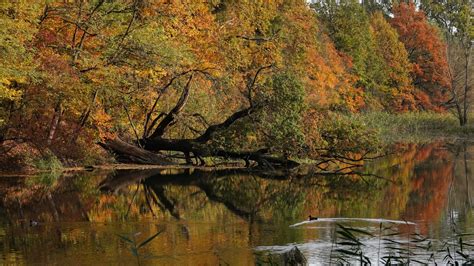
(128, 153)
(147, 149)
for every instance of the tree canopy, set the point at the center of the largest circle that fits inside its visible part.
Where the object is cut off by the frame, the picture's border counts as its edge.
(196, 79)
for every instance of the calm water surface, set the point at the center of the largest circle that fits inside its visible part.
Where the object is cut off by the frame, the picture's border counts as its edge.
(232, 218)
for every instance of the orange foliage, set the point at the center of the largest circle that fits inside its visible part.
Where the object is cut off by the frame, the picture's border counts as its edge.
(329, 78)
(426, 52)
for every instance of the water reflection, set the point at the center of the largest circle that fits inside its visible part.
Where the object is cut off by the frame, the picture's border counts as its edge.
(224, 216)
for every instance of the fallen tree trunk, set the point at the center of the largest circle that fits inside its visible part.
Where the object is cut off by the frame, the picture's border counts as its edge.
(260, 157)
(153, 140)
(128, 153)
(197, 148)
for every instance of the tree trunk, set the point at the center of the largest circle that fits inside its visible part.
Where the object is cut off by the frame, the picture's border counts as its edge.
(466, 86)
(197, 147)
(84, 117)
(170, 117)
(128, 153)
(54, 122)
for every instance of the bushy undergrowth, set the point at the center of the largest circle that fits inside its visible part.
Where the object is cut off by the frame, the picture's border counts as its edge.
(48, 162)
(348, 134)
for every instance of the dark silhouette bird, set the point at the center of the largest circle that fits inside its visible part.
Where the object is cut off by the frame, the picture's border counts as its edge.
(311, 218)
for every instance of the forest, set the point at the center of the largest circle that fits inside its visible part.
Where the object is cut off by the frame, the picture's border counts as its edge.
(269, 83)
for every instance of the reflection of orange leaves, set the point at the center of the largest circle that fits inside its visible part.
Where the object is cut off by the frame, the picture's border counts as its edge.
(430, 184)
(13, 196)
(104, 208)
(423, 153)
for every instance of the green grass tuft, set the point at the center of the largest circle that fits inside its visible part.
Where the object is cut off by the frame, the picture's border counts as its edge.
(48, 162)
(413, 126)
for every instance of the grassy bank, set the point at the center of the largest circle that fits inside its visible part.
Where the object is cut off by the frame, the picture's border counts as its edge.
(349, 131)
(413, 126)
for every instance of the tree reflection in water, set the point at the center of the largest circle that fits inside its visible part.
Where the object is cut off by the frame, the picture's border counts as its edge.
(210, 212)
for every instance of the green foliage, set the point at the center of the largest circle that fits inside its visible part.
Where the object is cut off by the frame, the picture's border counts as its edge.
(379, 59)
(48, 162)
(349, 27)
(454, 17)
(394, 80)
(341, 132)
(283, 107)
(49, 179)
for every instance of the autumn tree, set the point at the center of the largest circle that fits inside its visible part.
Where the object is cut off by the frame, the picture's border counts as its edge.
(426, 52)
(17, 67)
(454, 17)
(396, 68)
(349, 27)
(161, 81)
(193, 85)
(247, 98)
(379, 58)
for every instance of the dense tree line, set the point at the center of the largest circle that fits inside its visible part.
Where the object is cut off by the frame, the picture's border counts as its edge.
(252, 80)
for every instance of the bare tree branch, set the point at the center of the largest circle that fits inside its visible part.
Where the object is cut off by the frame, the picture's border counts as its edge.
(170, 117)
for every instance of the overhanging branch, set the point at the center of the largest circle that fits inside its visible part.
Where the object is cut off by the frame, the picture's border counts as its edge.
(170, 117)
(227, 123)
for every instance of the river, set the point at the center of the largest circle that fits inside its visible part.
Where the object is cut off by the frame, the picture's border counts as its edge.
(232, 218)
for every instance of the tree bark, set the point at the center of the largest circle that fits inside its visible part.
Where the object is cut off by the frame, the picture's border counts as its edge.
(54, 122)
(170, 117)
(466, 84)
(198, 148)
(128, 153)
(227, 123)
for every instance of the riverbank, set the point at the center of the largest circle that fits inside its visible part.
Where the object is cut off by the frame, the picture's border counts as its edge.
(413, 126)
(385, 128)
